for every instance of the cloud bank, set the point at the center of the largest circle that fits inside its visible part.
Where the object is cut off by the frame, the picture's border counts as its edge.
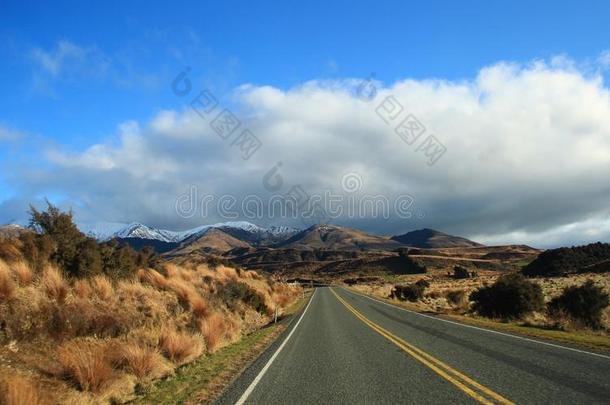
(527, 155)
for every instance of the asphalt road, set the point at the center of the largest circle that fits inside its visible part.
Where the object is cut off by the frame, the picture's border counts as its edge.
(350, 349)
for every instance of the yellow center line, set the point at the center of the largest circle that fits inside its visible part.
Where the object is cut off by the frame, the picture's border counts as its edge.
(431, 362)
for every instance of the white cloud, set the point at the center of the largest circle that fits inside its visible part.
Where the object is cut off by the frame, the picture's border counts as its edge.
(528, 153)
(68, 59)
(604, 59)
(7, 134)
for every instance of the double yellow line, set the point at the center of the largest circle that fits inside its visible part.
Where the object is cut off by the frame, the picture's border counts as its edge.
(472, 388)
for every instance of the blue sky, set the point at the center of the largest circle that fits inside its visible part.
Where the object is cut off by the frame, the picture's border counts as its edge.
(73, 72)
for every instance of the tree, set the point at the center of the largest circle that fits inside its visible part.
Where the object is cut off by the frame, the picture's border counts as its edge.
(88, 262)
(60, 228)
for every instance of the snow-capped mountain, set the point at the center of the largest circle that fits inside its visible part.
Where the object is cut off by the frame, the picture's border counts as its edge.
(106, 231)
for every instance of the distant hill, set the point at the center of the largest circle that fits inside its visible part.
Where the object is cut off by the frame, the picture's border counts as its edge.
(12, 230)
(257, 236)
(213, 240)
(594, 257)
(431, 239)
(334, 237)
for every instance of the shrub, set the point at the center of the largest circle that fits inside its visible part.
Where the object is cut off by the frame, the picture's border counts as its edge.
(88, 261)
(86, 364)
(410, 266)
(583, 304)
(423, 283)
(61, 229)
(411, 292)
(460, 272)
(233, 292)
(510, 297)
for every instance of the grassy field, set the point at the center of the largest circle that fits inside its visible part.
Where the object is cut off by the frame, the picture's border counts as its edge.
(204, 379)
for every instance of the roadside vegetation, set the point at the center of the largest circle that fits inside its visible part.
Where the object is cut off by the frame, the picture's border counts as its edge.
(572, 309)
(83, 322)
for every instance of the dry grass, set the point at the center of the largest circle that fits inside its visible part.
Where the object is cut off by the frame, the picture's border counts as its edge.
(213, 329)
(7, 285)
(93, 339)
(86, 363)
(180, 347)
(82, 289)
(54, 284)
(102, 287)
(17, 390)
(23, 273)
(152, 277)
(142, 361)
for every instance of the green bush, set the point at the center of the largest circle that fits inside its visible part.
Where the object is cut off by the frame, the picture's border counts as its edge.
(460, 272)
(584, 304)
(510, 297)
(233, 292)
(60, 228)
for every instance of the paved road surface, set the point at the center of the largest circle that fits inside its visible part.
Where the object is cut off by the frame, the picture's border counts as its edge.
(350, 349)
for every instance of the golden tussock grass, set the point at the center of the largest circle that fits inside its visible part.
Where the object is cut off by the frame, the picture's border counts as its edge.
(213, 330)
(18, 390)
(86, 363)
(102, 287)
(143, 361)
(227, 273)
(54, 284)
(7, 285)
(103, 335)
(82, 289)
(180, 347)
(10, 249)
(23, 273)
(152, 277)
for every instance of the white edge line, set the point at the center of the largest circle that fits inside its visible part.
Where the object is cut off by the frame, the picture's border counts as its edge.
(260, 375)
(478, 328)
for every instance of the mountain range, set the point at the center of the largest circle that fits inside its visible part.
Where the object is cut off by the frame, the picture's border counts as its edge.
(225, 236)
